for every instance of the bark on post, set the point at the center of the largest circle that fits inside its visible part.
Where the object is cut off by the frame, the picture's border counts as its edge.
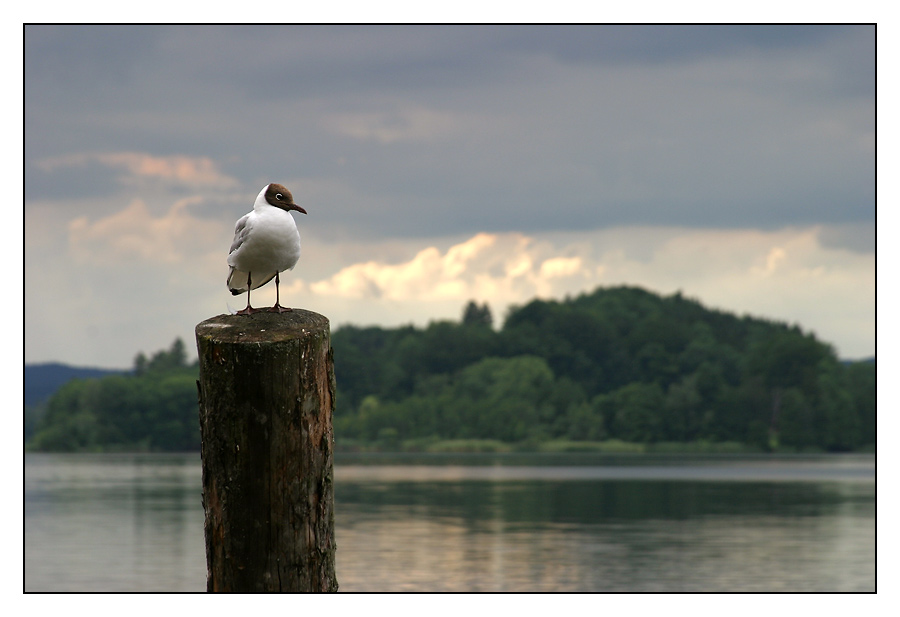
(266, 402)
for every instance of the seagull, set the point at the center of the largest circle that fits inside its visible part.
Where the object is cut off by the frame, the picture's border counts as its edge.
(266, 243)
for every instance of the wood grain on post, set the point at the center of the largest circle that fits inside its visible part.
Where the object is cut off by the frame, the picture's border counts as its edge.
(266, 403)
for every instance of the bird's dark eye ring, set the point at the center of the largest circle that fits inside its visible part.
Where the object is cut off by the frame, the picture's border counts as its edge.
(279, 196)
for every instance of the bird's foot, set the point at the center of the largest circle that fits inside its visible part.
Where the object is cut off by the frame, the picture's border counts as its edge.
(280, 309)
(248, 311)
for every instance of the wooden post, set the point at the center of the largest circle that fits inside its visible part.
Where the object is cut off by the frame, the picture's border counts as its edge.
(266, 402)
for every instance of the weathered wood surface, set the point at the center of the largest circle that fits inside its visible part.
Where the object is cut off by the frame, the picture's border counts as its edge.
(266, 404)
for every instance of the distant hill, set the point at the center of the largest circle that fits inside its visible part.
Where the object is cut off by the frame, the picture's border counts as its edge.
(42, 380)
(862, 361)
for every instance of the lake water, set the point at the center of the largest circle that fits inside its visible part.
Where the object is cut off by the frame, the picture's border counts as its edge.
(134, 522)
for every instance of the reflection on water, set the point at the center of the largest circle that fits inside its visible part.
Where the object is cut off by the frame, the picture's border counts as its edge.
(113, 523)
(587, 535)
(575, 523)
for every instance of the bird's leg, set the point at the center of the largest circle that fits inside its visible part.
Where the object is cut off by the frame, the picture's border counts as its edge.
(249, 310)
(278, 308)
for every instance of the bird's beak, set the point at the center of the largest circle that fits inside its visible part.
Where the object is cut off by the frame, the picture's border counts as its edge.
(296, 207)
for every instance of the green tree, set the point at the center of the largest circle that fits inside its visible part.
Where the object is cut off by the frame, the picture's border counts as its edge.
(683, 411)
(502, 398)
(474, 315)
(444, 347)
(861, 384)
(584, 422)
(153, 409)
(797, 425)
(174, 358)
(568, 400)
(68, 425)
(140, 364)
(172, 421)
(784, 358)
(638, 415)
(841, 426)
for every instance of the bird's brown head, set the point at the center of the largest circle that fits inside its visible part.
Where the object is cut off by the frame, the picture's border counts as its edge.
(280, 197)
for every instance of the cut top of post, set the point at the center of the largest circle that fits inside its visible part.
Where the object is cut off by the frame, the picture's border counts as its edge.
(261, 327)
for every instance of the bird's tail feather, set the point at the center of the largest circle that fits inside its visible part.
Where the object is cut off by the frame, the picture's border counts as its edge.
(237, 280)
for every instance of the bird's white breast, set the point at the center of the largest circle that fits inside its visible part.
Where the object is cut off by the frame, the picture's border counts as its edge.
(272, 242)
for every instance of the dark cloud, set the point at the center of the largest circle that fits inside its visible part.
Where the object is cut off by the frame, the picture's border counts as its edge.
(859, 237)
(290, 61)
(655, 43)
(67, 182)
(79, 60)
(548, 127)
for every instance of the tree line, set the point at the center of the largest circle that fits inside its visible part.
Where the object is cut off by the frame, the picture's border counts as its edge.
(619, 363)
(153, 408)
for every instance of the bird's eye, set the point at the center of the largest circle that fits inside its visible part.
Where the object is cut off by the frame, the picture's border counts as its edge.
(279, 196)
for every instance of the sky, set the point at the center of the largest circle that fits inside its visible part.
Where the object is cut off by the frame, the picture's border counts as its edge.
(442, 164)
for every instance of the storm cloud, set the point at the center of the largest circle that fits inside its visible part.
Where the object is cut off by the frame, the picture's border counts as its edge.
(399, 139)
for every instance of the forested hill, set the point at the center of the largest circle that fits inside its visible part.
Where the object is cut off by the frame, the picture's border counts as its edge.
(616, 365)
(152, 407)
(619, 363)
(42, 380)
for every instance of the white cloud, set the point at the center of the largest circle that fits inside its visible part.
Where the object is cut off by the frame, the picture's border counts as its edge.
(505, 268)
(785, 275)
(560, 267)
(100, 289)
(135, 234)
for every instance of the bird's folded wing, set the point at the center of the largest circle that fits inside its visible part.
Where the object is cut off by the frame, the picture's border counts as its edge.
(241, 231)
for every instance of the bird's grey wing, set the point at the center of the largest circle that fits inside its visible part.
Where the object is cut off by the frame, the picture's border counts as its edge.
(241, 231)
(238, 284)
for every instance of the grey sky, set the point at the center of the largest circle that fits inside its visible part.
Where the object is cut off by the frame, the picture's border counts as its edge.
(412, 134)
(541, 127)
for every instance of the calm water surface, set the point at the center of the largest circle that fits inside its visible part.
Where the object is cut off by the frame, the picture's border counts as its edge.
(134, 522)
